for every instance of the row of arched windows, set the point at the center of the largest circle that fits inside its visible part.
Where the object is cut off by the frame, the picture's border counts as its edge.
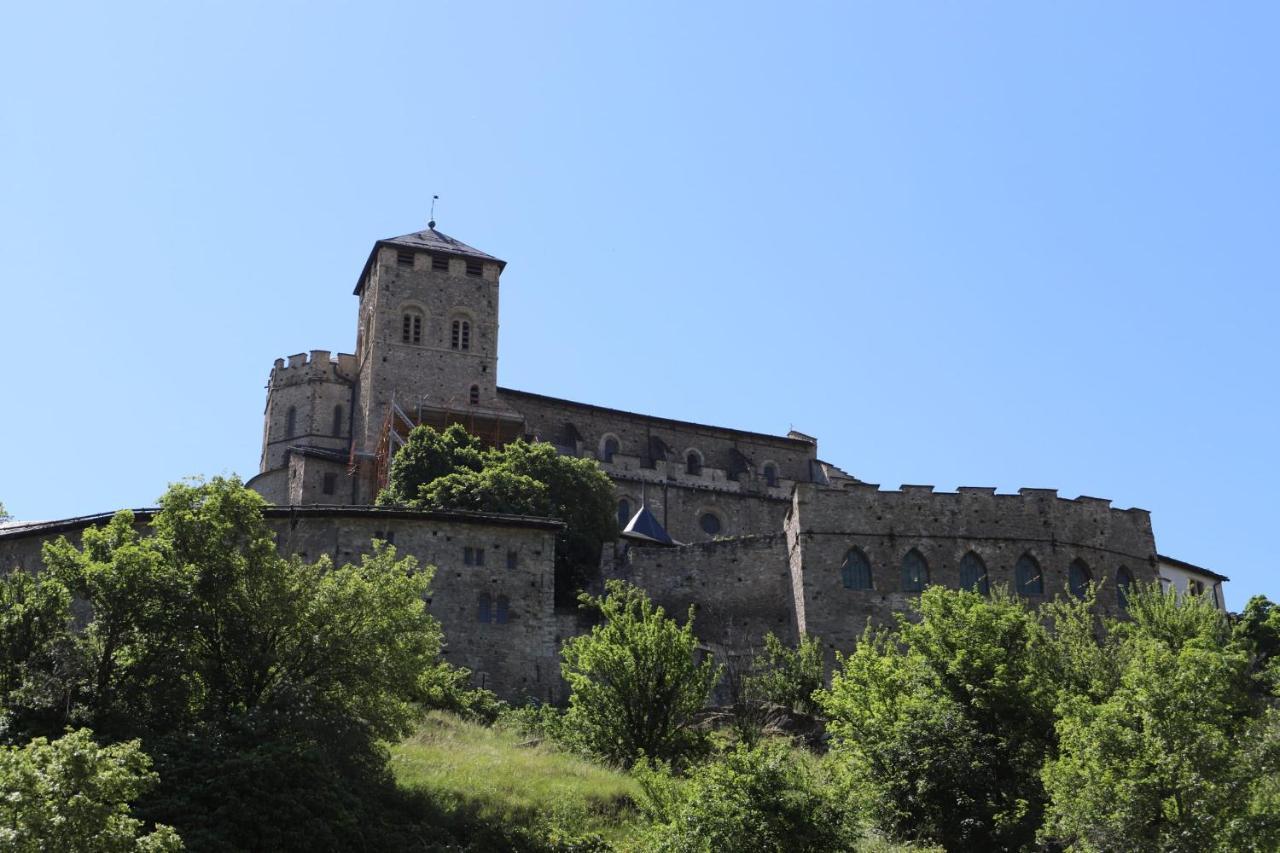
(411, 323)
(1028, 578)
(610, 446)
(291, 422)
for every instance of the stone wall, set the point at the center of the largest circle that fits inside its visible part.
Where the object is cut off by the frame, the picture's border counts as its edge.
(514, 652)
(313, 387)
(824, 524)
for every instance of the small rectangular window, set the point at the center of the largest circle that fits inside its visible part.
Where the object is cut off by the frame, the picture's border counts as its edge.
(330, 483)
(479, 556)
(513, 559)
(439, 263)
(404, 258)
(469, 556)
(474, 268)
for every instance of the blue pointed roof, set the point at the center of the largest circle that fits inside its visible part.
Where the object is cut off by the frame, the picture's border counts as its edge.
(644, 525)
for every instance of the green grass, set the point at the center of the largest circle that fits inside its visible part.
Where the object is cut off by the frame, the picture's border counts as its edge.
(496, 777)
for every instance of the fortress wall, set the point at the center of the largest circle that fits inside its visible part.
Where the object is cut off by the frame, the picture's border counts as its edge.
(740, 588)
(548, 417)
(516, 659)
(825, 523)
(679, 507)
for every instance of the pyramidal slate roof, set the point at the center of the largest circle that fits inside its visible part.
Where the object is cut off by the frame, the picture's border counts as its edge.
(643, 525)
(428, 240)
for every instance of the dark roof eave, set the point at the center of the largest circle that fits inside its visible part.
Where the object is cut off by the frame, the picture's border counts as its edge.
(45, 528)
(1191, 567)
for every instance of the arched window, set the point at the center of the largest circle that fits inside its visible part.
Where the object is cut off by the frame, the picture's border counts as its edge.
(973, 574)
(1124, 583)
(855, 571)
(474, 395)
(693, 463)
(624, 513)
(411, 327)
(460, 335)
(337, 421)
(610, 447)
(710, 523)
(915, 572)
(1027, 576)
(1078, 578)
(486, 608)
(290, 422)
(500, 616)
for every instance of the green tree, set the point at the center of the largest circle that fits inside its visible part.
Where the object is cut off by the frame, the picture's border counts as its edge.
(448, 471)
(942, 724)
(635, 680)
(758, 799)
(35, 619)
(4, 514)
(1259, 628)
(72, 795)
(786, 676)
(1172, 758)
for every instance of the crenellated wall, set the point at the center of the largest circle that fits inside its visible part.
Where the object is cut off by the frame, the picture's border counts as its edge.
(824, 524)
(314, 386)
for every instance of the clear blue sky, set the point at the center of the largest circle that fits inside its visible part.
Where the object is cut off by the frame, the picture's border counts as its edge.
(963, 244)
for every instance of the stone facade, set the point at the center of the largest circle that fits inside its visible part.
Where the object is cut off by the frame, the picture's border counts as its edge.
(492, 591)
(763, 529)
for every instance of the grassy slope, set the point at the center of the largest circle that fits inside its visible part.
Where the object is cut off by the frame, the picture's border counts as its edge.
(488, 774)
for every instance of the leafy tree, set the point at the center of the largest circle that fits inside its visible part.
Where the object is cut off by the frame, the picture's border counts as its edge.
(635, 682)
(1259, 627)
(72, 795)
(753, 800)
(4, 514)
(786, 676)
(449, 471)
(942, 724)
(1173, 757)
(35, 617)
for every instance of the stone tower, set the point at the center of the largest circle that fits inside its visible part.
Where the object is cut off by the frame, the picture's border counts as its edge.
(427, 339)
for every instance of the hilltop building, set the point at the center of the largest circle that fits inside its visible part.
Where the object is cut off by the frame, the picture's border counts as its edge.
(755, 531)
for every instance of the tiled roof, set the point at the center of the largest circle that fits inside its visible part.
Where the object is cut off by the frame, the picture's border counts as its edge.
(437, 241)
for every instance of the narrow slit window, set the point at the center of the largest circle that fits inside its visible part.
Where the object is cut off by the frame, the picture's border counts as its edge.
(466, 335)
(404, 258)
(290, 422)
(337, 421)
(474, 395)
(439, 263)
(475, 268)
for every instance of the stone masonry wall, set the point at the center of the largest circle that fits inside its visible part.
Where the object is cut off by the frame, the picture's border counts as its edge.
(516, 658)
(824, 524)
(313, 386)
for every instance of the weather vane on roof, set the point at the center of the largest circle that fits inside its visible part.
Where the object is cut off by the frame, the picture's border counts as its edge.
(432, 222)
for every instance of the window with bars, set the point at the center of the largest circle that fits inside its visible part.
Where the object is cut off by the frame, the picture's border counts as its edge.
(460, 335)
(411, 328)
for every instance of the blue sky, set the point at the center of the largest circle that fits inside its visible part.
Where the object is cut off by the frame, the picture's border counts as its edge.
(997, 244)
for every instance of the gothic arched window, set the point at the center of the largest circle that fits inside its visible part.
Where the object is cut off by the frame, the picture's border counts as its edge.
(973, 574)
(610, 447)
(1124, 583)
(915, 572)
(1078, 578)
(1027, 576)
(290, 422)
(855, 571)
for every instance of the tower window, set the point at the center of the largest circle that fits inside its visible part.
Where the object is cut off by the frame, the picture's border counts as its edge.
(337, 421)
(1079, 578)
(611, 446)
(474, 268)
(771, 475)
(693, 463)
(404, 258)
(411, 328)
(439, 263)
(460, 335)
(290, 422)
(474, 396)
(330, 484)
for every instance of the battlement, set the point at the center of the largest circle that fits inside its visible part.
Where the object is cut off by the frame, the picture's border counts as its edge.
(316, 366)
(1086, 503)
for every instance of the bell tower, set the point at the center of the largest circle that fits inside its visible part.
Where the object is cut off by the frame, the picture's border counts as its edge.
(427, 341)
